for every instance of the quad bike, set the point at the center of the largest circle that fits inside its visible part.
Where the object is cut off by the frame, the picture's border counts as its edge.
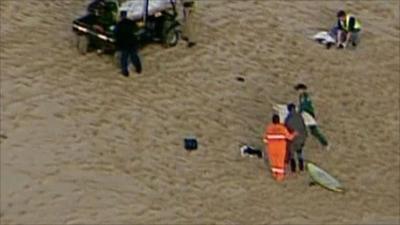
(156, 21)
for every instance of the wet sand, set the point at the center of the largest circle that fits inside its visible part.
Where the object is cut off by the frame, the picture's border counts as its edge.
(80, 144)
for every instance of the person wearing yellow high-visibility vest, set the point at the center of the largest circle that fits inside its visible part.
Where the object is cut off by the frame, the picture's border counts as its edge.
(349, 28)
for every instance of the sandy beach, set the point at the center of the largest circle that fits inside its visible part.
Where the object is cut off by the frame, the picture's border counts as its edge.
(81, 144)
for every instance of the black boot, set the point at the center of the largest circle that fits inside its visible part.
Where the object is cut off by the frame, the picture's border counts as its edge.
(293, 165)
(191, 44)
(125, 73)
(301, 164)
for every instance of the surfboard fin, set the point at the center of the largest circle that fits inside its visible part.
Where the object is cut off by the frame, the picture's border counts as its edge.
(311, 183)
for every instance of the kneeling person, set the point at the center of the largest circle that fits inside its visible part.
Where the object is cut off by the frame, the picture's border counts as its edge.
(348, 29)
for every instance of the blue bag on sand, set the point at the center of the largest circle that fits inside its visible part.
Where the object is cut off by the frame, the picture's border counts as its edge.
(190, 144)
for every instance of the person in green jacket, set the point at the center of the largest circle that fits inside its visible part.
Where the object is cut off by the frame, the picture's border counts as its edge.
(306, 105)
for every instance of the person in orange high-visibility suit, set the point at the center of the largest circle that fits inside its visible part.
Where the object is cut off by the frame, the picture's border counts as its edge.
(275, 138)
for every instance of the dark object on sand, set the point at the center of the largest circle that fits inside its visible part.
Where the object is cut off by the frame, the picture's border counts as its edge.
(3, 136)
(190, 144)
(300, 86)
(250, 151)
(240, 79)
(329, 45)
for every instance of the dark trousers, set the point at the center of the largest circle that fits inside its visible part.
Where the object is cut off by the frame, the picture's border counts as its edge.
(294, 153)
(135, 60)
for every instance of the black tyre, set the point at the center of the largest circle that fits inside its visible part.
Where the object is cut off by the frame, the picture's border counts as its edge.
(169, 34)
(171, 38)
(82, 44)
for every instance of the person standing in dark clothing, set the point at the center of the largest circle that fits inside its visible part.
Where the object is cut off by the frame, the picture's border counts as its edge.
(294, 122)
(127, 43)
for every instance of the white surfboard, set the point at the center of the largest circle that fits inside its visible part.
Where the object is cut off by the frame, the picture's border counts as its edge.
(323, 178)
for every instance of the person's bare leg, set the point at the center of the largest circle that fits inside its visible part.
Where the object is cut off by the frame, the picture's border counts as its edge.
(348, 37)
(339, 38)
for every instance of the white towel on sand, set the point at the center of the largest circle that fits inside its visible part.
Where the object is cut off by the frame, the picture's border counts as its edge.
(282, 111)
